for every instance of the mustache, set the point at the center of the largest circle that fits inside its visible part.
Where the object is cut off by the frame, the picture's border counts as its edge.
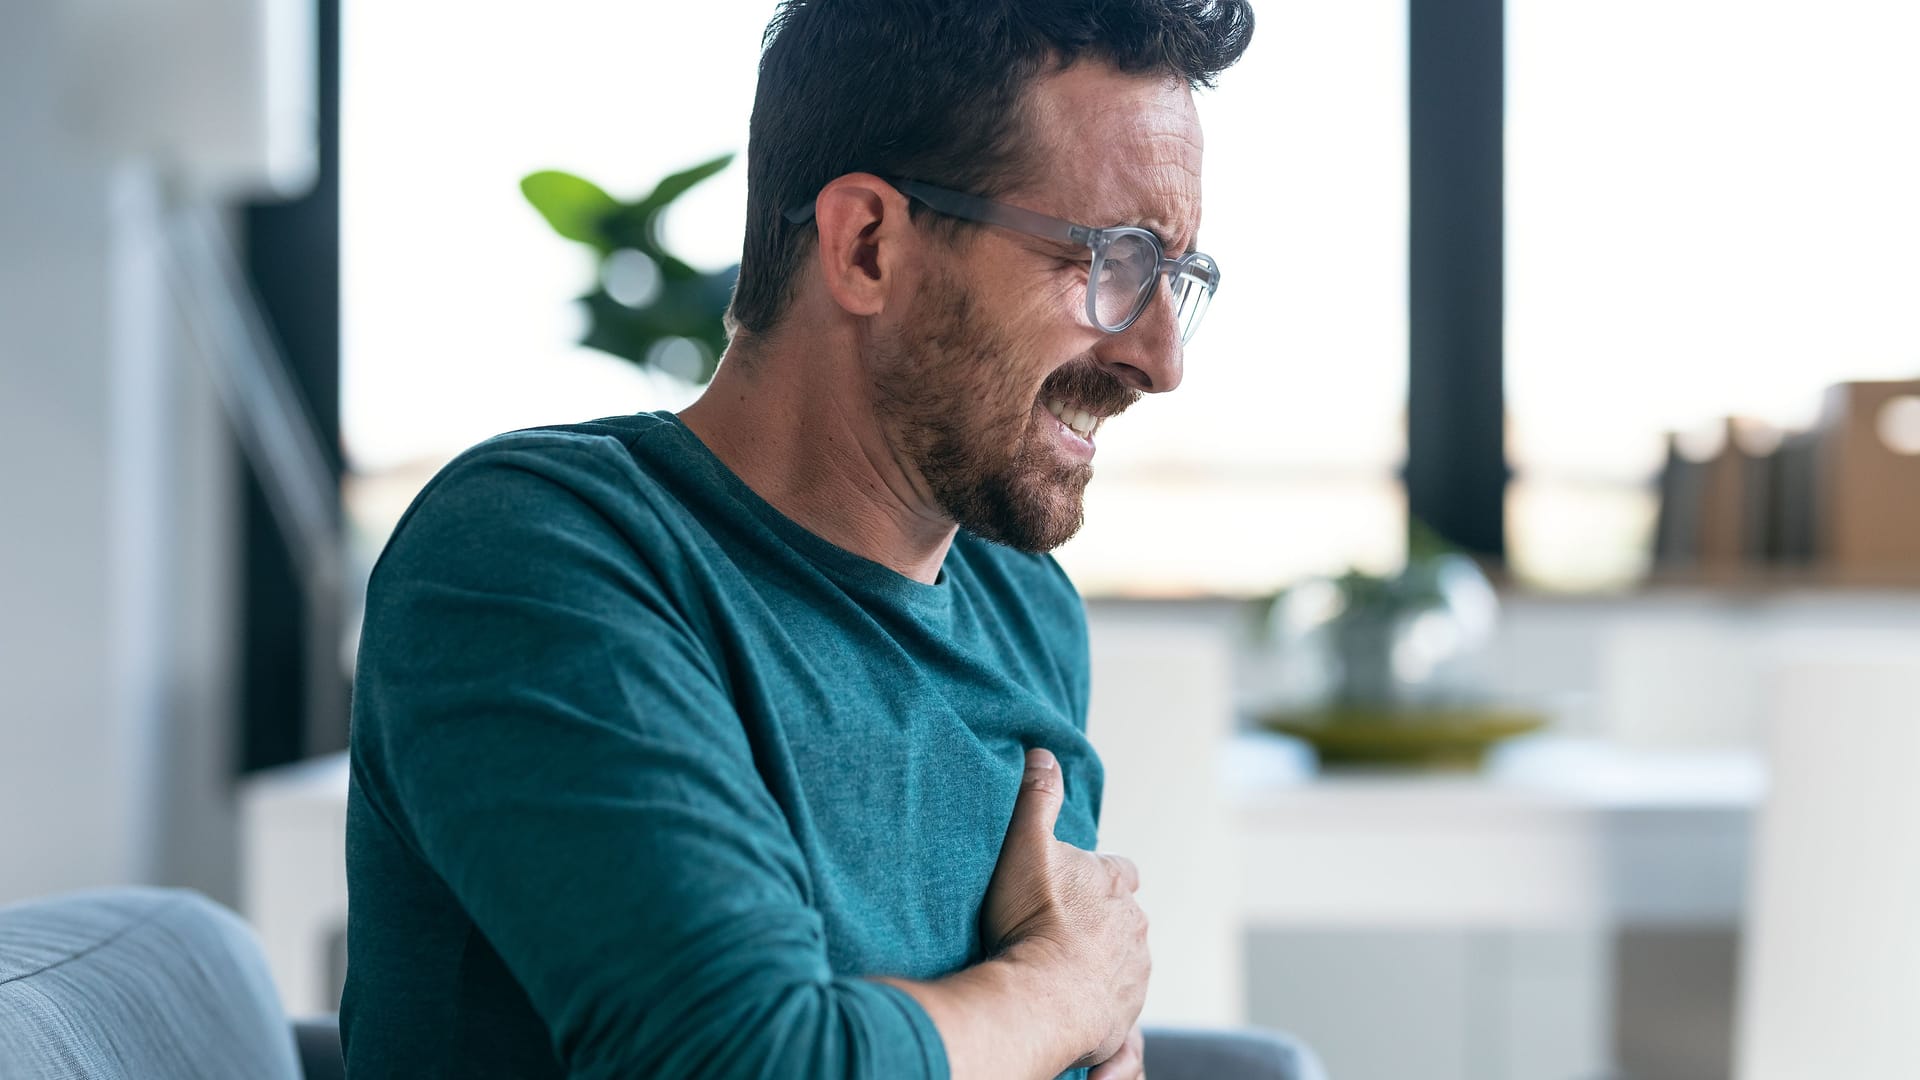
(1084, 384)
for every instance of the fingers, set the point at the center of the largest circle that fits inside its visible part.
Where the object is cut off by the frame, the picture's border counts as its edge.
(1130, 1063)
(1042, 789)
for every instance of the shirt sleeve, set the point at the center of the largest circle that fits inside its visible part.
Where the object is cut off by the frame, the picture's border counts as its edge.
(555, 738)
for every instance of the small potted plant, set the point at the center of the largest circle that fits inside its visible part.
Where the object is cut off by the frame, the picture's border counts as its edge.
(1391, 669)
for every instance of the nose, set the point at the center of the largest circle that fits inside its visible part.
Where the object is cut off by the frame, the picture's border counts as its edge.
(1148, 355)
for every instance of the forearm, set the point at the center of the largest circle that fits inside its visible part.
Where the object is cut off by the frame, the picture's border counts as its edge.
(1009, 1018)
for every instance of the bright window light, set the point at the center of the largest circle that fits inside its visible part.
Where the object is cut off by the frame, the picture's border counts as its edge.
(1276, 458)
(1712, 211)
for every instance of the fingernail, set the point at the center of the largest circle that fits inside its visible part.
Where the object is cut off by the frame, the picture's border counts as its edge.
(1040, 758)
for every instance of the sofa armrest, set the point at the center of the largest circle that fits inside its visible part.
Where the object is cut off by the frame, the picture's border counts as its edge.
(1245, 1054)
(317, 1038)
(1172, 1054)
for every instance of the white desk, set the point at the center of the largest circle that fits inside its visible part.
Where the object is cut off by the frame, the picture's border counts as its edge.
(1465, 926)
(1555, 832)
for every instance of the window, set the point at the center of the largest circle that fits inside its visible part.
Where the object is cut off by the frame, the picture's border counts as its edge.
(1711, 211)
(1276, 458)
(1278, 455)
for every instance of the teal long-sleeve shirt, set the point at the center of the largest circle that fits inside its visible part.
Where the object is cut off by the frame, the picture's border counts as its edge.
(648, 779)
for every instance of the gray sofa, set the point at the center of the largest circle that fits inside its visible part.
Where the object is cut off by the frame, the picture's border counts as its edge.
(158, 984)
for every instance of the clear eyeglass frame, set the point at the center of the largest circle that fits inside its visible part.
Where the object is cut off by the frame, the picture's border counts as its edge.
(1126, 260)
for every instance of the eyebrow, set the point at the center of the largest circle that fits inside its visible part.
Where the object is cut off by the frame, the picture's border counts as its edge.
(1160, 229)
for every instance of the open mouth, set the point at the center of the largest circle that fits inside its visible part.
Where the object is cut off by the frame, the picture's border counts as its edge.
(1079, 421)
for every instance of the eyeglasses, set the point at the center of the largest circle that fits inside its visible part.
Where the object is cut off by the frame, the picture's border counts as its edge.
(1127, 261)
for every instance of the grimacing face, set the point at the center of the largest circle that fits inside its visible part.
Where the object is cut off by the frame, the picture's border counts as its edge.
(960, 403)
(996, 383)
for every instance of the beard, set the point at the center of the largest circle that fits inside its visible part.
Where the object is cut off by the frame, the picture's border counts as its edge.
(963, 416)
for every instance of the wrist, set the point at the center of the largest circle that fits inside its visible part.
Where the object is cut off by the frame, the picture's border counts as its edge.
(1039, 974)
(1011, 1016)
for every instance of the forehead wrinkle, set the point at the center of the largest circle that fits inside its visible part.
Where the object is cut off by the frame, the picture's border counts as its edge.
(1113, 149)
(1091, 98)
(1154, 154)
(1165, 200)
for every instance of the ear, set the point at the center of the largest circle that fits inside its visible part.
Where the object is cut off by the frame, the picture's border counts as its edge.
(866, 242)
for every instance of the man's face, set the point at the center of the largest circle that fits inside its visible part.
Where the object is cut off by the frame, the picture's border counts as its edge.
(998, 340)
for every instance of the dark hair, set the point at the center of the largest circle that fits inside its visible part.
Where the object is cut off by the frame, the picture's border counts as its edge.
(931, 90)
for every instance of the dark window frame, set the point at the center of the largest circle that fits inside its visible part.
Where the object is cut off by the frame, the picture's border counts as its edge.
(1456, 472)
(291, 253)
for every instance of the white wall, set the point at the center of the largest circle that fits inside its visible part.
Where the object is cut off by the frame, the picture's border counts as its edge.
(63, 795)
(115, 533)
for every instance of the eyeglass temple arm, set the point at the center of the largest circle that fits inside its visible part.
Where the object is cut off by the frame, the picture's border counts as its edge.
(987, 212)
(973, 208)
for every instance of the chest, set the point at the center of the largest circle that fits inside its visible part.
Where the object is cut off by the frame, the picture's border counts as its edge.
(895, 754)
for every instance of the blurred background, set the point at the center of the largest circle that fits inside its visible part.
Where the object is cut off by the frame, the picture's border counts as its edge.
(1504, 641)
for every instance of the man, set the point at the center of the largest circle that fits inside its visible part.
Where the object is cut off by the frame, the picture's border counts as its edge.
(750, 742)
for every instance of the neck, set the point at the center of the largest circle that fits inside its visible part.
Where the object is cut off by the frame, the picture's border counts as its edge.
(795, 421)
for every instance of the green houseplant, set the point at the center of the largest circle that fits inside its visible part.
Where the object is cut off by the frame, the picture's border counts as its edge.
(647, 306)
(1392, 669)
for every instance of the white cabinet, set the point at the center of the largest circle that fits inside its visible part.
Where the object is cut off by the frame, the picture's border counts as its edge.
(1465, 926)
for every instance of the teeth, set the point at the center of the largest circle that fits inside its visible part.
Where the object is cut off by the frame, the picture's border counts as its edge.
(1082, 423)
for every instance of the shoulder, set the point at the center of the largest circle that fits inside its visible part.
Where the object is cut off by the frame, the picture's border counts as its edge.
(575, 457)
(510, 477)
(546, 490)
(536, 534)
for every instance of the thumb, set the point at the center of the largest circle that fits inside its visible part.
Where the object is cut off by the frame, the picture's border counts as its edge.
(1042, 789)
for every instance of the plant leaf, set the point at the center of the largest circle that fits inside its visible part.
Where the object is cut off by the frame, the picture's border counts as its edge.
(690, 308)
(627, 226)
(1424, 542)
(676, 185)
(575, 207)
(673, 269)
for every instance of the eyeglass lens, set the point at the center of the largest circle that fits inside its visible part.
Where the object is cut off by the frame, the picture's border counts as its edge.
(1190, 297)
(1124, 276)
(1124, 280)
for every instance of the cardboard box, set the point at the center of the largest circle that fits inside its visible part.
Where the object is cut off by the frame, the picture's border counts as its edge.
(1868, 469)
